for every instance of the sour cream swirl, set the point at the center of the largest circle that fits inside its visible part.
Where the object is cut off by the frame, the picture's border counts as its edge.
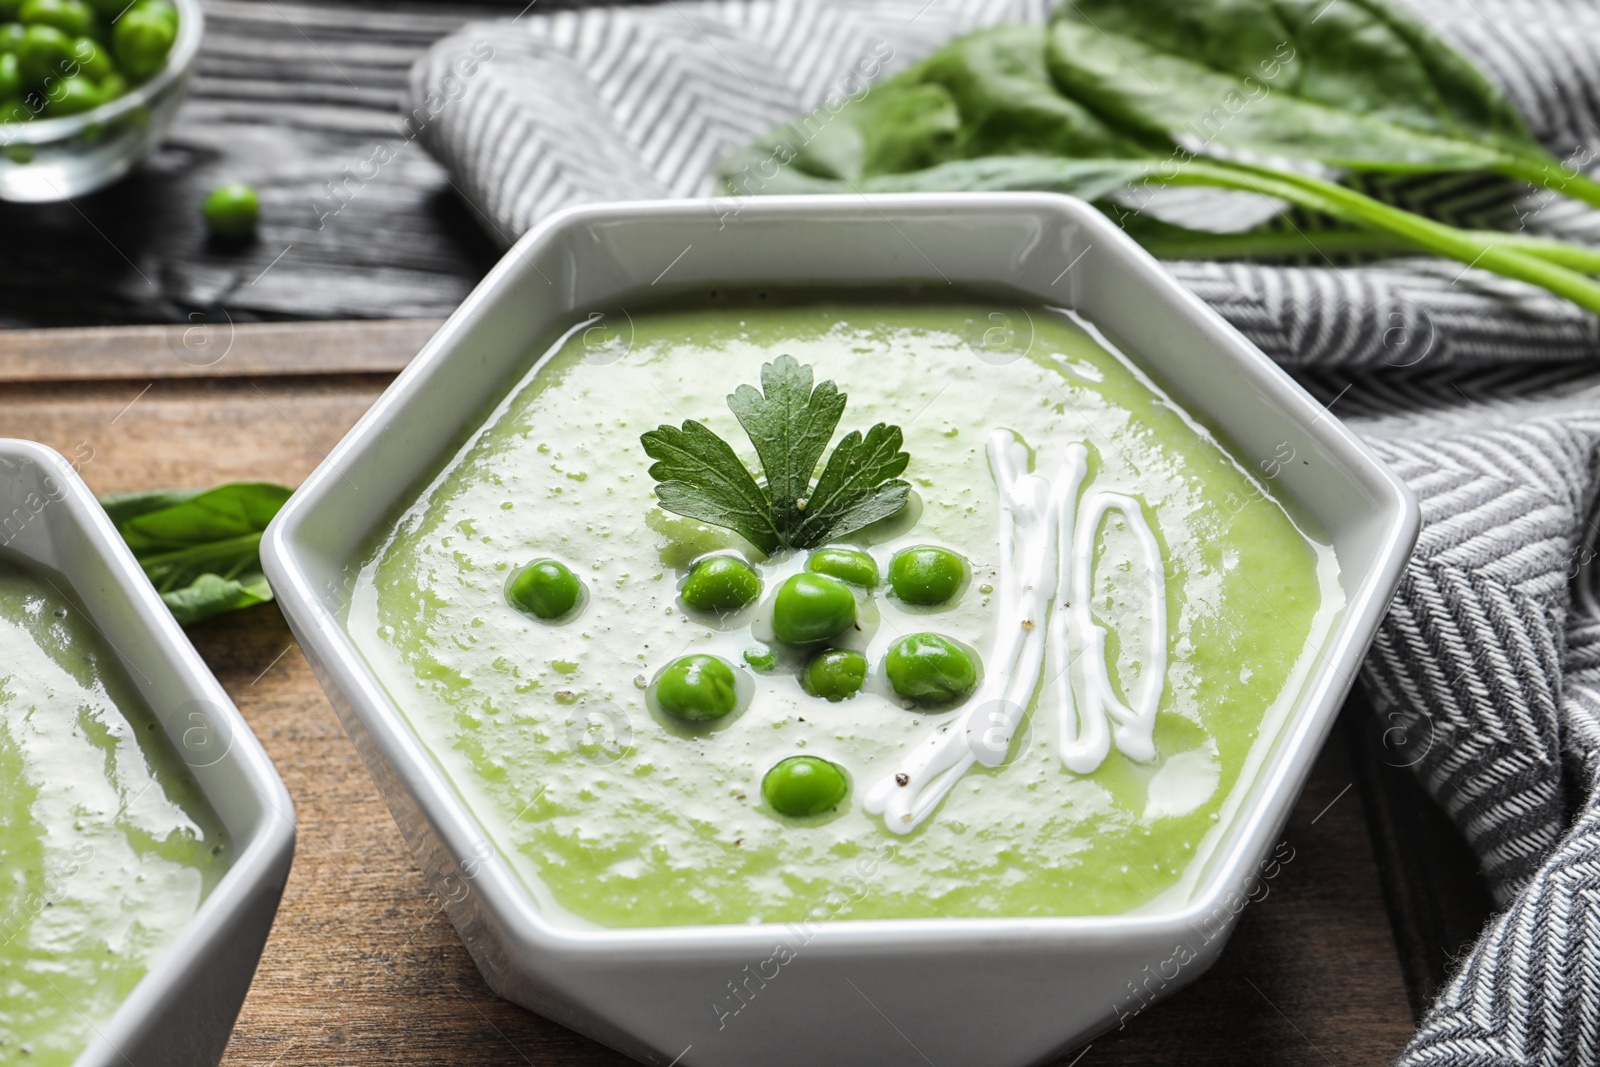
(1046, 571)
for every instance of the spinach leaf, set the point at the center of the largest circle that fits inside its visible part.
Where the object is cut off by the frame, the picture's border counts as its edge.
(1114, 95)
(1356, 83)
(200, 548)
(989, 94)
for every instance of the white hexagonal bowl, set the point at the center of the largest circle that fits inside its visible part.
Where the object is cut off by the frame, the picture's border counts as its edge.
(990, 992)
(181, 1013)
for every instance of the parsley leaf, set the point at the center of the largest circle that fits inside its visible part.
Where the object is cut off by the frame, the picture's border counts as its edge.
(698, 475)
(856, 488)
(790, 423)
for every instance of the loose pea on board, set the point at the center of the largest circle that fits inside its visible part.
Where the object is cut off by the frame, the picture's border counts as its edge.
(231, 210)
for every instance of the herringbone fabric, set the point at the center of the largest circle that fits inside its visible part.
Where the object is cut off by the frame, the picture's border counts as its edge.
(1483, 394)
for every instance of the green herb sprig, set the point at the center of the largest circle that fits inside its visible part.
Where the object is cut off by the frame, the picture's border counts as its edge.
(790, 422)
(200, 548)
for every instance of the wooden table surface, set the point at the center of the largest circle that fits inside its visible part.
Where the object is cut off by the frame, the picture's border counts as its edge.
(362, 968)
(1332, 967)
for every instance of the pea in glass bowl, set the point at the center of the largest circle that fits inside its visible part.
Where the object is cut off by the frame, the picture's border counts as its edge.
(57, 159)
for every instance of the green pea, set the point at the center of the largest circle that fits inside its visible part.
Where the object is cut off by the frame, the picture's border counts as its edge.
(835, 675)
(845, 564)
(72, 17)
(42, 52)
(804, 785)
(10, 77)
(141, 41)
(930, 669)
(94, 62)
(697, 688)
(231, 210)
(721, 584)
(761, 659)
(112, 86)
(812, 607)
(546, 589)
(11, 36)
(72, 96)
(926, 575)
(161, 9)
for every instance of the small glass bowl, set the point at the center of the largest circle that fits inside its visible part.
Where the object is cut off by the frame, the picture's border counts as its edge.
(57, 159)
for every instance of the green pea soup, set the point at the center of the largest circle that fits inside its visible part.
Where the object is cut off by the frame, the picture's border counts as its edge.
(107, 847)
(616, 815)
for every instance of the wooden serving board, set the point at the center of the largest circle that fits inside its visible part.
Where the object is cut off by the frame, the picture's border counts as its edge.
(363, 969)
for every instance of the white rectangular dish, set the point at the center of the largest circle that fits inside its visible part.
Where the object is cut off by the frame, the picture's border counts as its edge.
(181, 1013)
(990, 991)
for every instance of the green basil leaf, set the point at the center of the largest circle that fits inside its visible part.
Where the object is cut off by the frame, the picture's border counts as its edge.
(201, 518)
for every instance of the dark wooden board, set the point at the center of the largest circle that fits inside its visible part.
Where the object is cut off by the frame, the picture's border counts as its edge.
(363, 969)
(287, 93)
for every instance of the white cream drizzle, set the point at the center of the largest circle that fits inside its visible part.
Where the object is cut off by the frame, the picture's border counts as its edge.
(1045, 574)
(1085, 737)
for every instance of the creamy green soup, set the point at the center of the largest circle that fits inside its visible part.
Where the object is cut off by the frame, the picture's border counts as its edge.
(107, 847)
(618, 815)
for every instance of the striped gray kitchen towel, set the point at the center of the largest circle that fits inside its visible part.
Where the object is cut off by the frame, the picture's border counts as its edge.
(1484, 394)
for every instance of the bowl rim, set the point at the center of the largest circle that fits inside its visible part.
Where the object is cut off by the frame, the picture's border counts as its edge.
(342, 669)
(180, 61)
(269, 849)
